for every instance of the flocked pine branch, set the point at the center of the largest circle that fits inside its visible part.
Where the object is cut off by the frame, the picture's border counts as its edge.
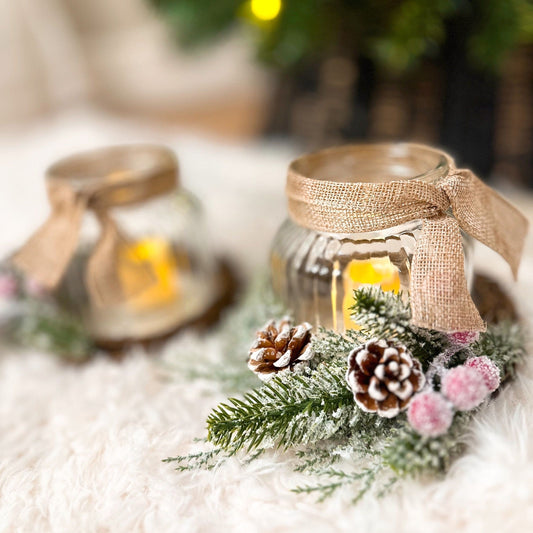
(361, 481)
(47, 328)
(201, 460)
(386, 315)
(505, 345)
(335, 464)
(314, 410)
(408, 453)
(228, 370)
(328, 344)
(289, 410)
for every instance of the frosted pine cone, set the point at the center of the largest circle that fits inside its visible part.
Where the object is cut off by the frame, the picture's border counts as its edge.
(383, 377)
(280, 347)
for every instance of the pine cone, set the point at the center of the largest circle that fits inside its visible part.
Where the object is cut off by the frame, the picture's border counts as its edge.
(280, 347)
(383, 377)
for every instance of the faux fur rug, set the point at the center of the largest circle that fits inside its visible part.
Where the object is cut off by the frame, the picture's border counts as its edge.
(81, 447)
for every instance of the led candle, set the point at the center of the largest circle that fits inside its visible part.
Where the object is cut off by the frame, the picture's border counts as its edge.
(157, 255)
(378, 271)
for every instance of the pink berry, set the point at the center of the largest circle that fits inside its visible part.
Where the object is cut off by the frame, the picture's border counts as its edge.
(430, 414)
(464, 338)
(464, 387)
(8, 286)
(489, 371)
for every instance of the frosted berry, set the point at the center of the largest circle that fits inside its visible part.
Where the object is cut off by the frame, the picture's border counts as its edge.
(489, 371)
(464, 387)
(430, 414)
(464, 338)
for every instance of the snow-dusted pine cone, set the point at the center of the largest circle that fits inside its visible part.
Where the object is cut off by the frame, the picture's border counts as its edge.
(280, 347)
(383, 377)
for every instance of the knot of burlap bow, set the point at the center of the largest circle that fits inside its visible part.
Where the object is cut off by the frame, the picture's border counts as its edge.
(47, 254)
(438, 290)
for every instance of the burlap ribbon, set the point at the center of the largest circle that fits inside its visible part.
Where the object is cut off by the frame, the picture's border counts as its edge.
(97, 181)
(438, 289)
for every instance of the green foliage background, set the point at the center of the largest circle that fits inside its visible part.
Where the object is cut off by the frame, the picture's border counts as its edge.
(397, 34)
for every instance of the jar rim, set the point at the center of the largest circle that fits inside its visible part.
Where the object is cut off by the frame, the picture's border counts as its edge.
(117, 174)
(367, 163)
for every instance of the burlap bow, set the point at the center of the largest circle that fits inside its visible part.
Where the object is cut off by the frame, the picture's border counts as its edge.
(83, 182)
(438, 289)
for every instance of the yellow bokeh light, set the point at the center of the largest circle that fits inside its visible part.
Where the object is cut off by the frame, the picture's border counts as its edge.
(265, 9)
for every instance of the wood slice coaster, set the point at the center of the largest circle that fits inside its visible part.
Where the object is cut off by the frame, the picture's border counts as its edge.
(493, 303)
(229, 283)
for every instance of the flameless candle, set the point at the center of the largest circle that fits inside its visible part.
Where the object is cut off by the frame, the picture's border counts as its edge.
(376, 271)
(158, 256)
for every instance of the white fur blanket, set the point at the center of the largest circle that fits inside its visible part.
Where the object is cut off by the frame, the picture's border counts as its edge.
(81, 447)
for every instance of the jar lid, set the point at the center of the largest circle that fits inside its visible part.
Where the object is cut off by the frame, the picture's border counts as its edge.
(118, 175)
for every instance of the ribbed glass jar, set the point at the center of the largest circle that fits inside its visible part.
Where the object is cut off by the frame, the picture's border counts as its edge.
(314, 273)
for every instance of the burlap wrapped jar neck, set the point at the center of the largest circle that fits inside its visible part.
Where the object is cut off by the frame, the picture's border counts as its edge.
(341, 190)
(96, 180)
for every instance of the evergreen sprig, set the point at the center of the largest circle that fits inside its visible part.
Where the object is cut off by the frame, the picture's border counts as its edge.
(504, 344)
(227, 368)
(44, 326)
(328, 344)
(337, 479)
(407, 453)
(289, 410)
(201, 460)
(386, 315)
(313, 411)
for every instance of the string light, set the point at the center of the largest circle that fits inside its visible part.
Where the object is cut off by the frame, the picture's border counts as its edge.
(265, 9)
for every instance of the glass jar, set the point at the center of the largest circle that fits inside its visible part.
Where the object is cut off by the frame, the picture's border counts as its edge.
(314, 273)
(161, 259)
